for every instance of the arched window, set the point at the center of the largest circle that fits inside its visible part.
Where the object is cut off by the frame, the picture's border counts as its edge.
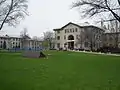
(70, 37)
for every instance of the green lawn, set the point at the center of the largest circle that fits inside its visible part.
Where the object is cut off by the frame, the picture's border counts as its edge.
(61, 71)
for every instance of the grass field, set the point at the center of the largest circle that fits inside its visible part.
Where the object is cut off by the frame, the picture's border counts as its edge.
(61, 71)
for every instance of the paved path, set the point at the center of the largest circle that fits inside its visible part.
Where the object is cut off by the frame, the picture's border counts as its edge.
(109, 54)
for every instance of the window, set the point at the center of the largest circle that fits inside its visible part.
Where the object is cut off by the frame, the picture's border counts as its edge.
(0, 46)
(1, 42)
(64, 37)
(13, 43)
(86, 44)
(13, 39)
(73, 29)
(58, 37)
(70, 30)
(58, 31)
(77, 36)
(76, 29)
(65, 30)
(58, 45)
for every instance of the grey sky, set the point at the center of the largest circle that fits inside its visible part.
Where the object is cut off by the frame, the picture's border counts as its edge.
(46, 15)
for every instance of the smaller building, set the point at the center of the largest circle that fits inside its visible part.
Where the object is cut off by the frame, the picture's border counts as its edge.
(7, 42)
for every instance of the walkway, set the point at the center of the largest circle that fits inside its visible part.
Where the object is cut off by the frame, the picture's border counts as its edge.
(109, 54)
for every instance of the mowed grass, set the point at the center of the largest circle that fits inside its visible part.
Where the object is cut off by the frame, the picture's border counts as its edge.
(61, 71)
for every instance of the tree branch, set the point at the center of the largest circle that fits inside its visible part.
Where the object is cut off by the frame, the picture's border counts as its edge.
(114, 14)
(10, 8)
(119, 2)
(2, 1)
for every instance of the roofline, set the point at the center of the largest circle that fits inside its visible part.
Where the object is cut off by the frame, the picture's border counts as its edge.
(113, 33)
(78, 26)
(95, 27)
(9, 37)
(57, 29)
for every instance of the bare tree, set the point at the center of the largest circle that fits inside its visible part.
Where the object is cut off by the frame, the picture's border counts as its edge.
(48, 36)
(81, 38)
(91, 37)
(12, 12)
(106, 8)
(98, 7)
(35, 38)
(24, 35)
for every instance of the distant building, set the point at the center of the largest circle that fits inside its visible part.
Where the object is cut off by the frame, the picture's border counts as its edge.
(78, 36)
(18, 42)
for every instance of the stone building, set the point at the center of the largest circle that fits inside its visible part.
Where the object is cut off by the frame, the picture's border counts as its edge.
(73, 36)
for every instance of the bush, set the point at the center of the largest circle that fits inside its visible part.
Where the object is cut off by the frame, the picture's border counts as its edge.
(108, 49)
(81, 49)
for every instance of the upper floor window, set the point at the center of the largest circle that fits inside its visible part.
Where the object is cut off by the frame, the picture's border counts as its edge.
(73, 30)
(70, 30)
(13, 39)
(65, 30)
(76, 30)
(58, 37)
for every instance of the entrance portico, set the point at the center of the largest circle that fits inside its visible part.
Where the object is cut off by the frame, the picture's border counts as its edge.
(70, 42)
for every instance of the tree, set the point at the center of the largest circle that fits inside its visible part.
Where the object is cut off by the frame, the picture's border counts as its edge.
(24, 35)
(48, 38)
(106, 8)
(37, 38)
(97, 7)
(12, 12)
(81, 38)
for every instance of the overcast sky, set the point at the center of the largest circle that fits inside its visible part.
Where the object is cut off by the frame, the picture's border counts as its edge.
(46, 15)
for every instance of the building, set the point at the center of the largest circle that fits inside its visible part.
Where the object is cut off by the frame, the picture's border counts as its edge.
(73, 36)
(112, 39)
(7, 42)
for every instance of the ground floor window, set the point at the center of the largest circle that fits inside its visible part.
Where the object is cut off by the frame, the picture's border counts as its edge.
(58, 45)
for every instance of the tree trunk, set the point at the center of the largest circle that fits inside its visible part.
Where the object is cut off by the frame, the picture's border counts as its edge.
(10, 8)
(116, 40)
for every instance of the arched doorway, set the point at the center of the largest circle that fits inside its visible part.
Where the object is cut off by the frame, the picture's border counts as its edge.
(71, 42)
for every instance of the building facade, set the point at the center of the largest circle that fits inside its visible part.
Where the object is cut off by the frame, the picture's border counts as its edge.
(73, 36)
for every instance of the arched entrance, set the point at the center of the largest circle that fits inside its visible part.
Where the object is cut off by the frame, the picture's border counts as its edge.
(71, 42)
